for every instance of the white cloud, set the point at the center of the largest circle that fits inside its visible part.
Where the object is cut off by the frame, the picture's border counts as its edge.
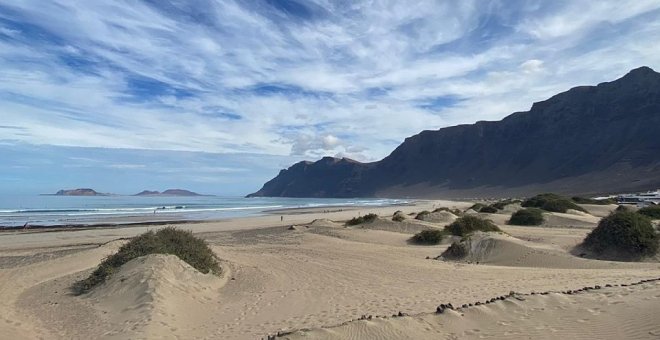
(225, 77)
(532, 66)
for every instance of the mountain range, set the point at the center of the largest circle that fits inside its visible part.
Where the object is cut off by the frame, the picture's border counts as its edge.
(587, 140)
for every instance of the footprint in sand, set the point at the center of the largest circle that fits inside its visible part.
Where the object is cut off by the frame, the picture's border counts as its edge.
(472, 331)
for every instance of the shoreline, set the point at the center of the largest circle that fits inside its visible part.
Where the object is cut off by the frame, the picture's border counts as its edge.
(17, 238)
(309, 277)
(136, 221)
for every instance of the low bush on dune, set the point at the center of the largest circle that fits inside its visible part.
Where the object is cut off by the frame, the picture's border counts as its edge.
(362, 219)
(624, 233)
(170, 240)
(489, 209)
(585, 200)
(456, 212)
(652, 211)
(456, 251)
(398, 216)
(468, 224)
(552, 203)
(527, 216)
(428, 236)
(622, 208)
(422, 214)
(477, 206)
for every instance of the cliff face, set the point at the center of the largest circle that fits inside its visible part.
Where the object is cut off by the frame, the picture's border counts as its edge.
(328, 177)
(590, 139)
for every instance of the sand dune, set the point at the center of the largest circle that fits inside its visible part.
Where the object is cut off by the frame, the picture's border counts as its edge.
(320, 274)
(574, 219)
(500, 249)
(324, 222)
(599, 210)
(441, 217)
(407, 226)
(152, 289)
(606, 313)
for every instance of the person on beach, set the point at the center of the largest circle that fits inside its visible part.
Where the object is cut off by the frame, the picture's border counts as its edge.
(281, 218)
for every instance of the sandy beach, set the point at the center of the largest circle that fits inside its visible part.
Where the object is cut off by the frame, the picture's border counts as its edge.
(316, 278)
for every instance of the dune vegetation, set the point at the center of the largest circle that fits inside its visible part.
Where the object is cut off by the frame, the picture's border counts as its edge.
(527, 216)
(422, 214)
(456, 251)
(428, 236)
(489, 209)
(624, 234)
(398, 216)
(551, 202)
(468, 224)
(362, 219)
(652, 212)
(170, 240)
(456, 212)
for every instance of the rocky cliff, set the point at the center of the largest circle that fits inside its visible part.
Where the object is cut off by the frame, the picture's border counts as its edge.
(589, 139)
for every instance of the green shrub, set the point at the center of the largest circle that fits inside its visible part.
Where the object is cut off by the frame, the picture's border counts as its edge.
(622, 208)
(585, 200)
(428, 236)
(456, 251)
(170, 240)
(362, 219)
(624, 233)
(456, 212)
(477, 206)
(561, 206)
(551, 202)
(467, 224)
(652, 211)
(488, 209)
(398, 216)
(422, 214)
(527, 216)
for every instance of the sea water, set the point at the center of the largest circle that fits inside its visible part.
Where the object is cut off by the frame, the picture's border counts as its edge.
(16, 211)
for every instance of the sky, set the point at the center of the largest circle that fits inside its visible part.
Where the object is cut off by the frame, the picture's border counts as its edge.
(217, 96)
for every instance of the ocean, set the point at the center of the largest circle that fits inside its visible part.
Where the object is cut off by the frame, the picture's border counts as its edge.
(16, 211)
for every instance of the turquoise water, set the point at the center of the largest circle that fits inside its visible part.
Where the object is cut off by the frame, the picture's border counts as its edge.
(15, 211)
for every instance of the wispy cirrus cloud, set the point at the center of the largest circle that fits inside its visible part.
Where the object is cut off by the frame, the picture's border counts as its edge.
(301, 78)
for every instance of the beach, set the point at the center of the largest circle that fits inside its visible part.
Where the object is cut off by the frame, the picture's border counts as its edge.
(302, 273)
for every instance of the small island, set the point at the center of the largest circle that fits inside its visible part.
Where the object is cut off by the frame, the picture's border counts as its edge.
(79, 192)
(149, 193)
(168, 192)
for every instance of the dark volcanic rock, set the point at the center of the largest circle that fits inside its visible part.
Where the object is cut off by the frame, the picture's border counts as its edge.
(590, 139)
(79, 192)
(168, 192)
(328, 177)
(148, 193)
(179, 192)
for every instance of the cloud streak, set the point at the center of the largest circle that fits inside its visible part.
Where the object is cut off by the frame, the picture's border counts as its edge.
(297, 78)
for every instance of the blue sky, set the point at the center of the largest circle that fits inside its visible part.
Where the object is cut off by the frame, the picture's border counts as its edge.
(217, 96)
